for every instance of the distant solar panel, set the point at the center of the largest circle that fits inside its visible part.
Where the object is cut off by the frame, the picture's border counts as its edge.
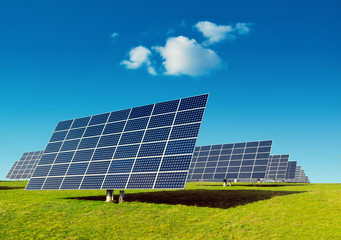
(23, 169)
(245, 161)
(12, 169)
(147, 147)
(291, 170)
(277, 167)
(300, 176)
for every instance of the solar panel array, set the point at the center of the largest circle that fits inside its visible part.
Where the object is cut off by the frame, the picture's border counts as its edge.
(245, 161)
(277, 167)
(291, 171)
(24, 168)
(300, 176)
(144, 147)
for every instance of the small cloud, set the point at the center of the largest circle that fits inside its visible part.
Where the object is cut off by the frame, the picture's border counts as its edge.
(242, 28)
(216, 33)
(184, 56)
(139, 56)
(114, 35)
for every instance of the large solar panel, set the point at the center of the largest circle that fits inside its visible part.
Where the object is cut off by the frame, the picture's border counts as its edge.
(245, 161)
(300, 175)
(291, 171)
(148, 147)
(277, 167)
(23, 169)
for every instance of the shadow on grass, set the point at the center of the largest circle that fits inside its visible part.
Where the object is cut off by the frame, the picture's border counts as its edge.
(200, 198)
(10, 188)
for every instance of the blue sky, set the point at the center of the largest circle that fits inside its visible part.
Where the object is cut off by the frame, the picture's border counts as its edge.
(276, 75)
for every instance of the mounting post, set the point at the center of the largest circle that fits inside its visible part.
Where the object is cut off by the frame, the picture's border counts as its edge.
(230, 183)
(224, 184)
(120, 199)
(110, 196)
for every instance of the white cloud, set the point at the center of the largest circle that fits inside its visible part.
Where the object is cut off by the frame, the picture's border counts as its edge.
(216, 33)
(114, 35)
(185, 56)
(213, 32)
(242, 28)
(139, 56)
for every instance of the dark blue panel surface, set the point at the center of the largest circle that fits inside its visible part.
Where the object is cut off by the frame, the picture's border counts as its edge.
(185, 131)
(52, 183)
(35, 183)
(92, 182)
(121, 166)
(71, 182)
(58, 170)
(109, 140)
(115, 127)
(141, 111)
(88, 143)
(115, 181)
(128, 151)
(53, 147)
(98, 119)
(173, 163)
(136, 124)
(100, 167)
(131, 137)
(58, 136)
(75, 133)
(103, 153)
(63, 125)
(47, 159)
(64, 157)
(189, 116)
(147, 164)
(77, 168)
(171, 180)
(93, 131)
(158, 134)
(193, 102)
(180, 146)
(166, 107)
(80, 122)
(70, 145)
(119, 115)
(143, 180)
(161, 120)
(83, 155)
(152, 149)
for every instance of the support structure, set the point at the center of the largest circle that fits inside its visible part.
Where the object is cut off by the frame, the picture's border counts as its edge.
(224, 184)
(120, 199)
(110, 196)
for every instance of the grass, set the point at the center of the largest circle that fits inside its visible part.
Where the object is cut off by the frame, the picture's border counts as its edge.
(201, 211)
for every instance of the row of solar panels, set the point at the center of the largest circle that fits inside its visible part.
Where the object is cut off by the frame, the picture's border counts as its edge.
(143, 147)
(248, 162)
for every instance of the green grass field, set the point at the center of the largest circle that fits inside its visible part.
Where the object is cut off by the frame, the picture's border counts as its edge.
(201, 211)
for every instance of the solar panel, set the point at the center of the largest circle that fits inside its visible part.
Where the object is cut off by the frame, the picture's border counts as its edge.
(12, 169)
(148, 147)
(300, 176)
(245, 161)
(277, 167)
(23, 169)
(291, 170)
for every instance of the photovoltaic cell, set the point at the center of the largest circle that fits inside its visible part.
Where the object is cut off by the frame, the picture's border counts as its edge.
(144, 147)
(246, 161)
(24, 168)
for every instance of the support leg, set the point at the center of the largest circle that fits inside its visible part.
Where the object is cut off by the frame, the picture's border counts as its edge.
(120, 199)
(110, 196)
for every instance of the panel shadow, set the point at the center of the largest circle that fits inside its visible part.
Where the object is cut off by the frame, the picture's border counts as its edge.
(10, 188)
(200, 198)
